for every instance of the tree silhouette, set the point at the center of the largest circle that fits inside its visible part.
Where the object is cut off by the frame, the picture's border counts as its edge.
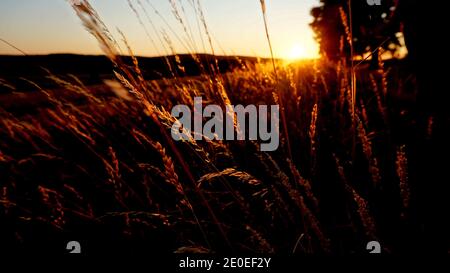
(367, 25)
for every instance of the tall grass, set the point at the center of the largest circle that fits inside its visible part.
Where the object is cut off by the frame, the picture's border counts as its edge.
(111, 163)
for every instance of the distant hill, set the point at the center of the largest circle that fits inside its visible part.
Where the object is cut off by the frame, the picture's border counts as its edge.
(93, 69)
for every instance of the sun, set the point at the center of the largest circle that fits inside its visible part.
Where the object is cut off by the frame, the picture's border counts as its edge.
(297, 52)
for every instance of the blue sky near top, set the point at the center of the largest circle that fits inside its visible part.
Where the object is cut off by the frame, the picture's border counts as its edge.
(236, 26)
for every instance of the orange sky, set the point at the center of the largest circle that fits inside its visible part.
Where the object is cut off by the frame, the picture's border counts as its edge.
(50, 26)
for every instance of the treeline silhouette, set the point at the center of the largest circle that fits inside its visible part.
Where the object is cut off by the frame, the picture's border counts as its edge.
(93, 69)
(340, 23)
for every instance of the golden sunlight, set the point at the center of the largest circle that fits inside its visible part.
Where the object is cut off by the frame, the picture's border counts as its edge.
(297, 52)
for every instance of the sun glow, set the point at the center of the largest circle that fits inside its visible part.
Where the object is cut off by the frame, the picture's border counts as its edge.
(297, 52)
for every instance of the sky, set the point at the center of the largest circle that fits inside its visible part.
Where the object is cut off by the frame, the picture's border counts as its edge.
(236, 27)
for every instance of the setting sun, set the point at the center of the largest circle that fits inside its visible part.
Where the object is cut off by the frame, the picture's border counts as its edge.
(297, 52)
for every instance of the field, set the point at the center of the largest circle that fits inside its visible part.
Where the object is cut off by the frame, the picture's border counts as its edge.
(95, 162)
